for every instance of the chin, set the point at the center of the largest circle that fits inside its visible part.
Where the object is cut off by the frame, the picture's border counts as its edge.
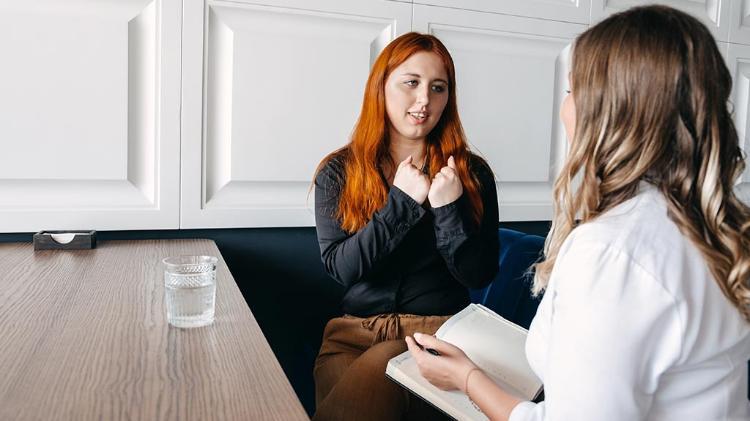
(417, 136)
(415, 133)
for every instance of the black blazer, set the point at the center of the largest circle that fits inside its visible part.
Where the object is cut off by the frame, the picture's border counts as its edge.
(408, 258)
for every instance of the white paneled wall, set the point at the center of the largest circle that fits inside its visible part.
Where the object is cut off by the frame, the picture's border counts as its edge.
(739, 64)
(739, 23)
(89, 113)
(577, 11)
(713, 13)
(511, 78)
(267, 92)
(156, 114)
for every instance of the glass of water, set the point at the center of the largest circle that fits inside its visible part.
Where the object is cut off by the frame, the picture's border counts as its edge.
(190, 283)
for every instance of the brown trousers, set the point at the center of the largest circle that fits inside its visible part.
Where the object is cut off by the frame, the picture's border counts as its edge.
(350, 381)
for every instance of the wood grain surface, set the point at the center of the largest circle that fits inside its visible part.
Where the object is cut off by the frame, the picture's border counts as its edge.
(84, 336)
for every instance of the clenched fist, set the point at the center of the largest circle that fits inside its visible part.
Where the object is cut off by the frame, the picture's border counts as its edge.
(446, 187)
(412, 181)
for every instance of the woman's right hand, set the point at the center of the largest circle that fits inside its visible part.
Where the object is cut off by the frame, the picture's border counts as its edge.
(448, 370)
(412, 181)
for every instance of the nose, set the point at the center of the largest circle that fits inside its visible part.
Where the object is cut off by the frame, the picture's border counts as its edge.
(423, 95)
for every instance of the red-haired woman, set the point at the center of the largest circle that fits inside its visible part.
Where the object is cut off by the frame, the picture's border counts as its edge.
(407, 219)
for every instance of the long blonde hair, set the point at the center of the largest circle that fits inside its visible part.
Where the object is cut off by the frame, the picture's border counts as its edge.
(651, 92)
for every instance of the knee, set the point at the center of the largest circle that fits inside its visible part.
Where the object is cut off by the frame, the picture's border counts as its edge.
(374, 361)
(388, 348)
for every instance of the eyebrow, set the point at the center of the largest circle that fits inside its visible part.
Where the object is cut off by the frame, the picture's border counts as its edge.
(418, 75)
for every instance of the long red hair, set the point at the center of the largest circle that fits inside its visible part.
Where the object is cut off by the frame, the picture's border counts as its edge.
(363, 191)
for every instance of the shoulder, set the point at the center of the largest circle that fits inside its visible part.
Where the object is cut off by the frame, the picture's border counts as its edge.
(607, 268)
(481, 169)
(477, 164)
(640, 227)
(640, 234)
(619, 230)
(332, 169)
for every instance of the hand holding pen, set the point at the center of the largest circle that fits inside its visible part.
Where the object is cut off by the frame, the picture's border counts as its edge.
(441, 363)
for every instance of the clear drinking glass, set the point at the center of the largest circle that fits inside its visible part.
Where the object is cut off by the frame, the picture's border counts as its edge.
(190, 283)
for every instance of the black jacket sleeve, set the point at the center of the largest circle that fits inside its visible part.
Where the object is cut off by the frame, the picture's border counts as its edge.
(470, 251)
(348, 257)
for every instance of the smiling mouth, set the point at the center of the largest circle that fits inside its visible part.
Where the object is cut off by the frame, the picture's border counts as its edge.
(420, 116)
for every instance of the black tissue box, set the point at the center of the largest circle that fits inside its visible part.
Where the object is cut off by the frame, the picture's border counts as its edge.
(64, 240)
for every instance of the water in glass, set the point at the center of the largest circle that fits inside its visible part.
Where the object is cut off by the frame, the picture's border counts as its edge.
(191, 306)
(190, 283)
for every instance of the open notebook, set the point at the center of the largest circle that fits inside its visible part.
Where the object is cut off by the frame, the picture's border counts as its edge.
(495, 344)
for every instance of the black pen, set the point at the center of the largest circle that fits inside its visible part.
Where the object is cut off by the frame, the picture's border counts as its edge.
(430, 350)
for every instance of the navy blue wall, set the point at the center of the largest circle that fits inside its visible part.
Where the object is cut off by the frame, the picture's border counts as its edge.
(282, 279)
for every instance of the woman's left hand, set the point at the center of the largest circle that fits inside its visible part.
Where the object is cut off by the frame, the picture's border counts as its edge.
(446, 187)
(448, 370)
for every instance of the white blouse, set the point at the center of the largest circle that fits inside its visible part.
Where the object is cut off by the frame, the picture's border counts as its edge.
(634, 327)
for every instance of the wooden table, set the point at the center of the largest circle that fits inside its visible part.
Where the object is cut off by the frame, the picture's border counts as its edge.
(84, 335)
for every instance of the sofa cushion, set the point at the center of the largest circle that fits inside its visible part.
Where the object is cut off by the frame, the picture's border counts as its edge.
(509, 294)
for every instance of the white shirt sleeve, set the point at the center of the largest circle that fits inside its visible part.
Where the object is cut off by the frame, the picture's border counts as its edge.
(613, 330)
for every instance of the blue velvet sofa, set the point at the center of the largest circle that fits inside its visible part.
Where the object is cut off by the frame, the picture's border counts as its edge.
(509, 293)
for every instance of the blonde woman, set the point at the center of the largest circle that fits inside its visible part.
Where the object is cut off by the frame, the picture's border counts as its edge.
(646, 314)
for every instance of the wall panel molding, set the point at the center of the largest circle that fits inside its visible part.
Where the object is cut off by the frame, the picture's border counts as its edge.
(164, 114)
(512, 77)
(576, 11)
(715, 14)
(90, 118)
(282, 88)
(739, 30)
(738, 60)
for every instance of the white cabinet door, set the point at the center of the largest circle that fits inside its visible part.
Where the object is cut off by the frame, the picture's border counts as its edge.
(89, 114)
(739, 29)
(713, 13)
(511, 79)
(739, 64)
(577, 11)
(268, 90)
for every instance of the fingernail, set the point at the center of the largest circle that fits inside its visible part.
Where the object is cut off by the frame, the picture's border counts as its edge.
(417, 335)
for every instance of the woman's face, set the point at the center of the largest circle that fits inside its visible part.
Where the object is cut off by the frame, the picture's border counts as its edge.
(415, 96)
(568, 115)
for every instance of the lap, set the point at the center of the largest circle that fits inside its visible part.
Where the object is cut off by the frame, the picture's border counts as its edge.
(350, 381)
(363, 391)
